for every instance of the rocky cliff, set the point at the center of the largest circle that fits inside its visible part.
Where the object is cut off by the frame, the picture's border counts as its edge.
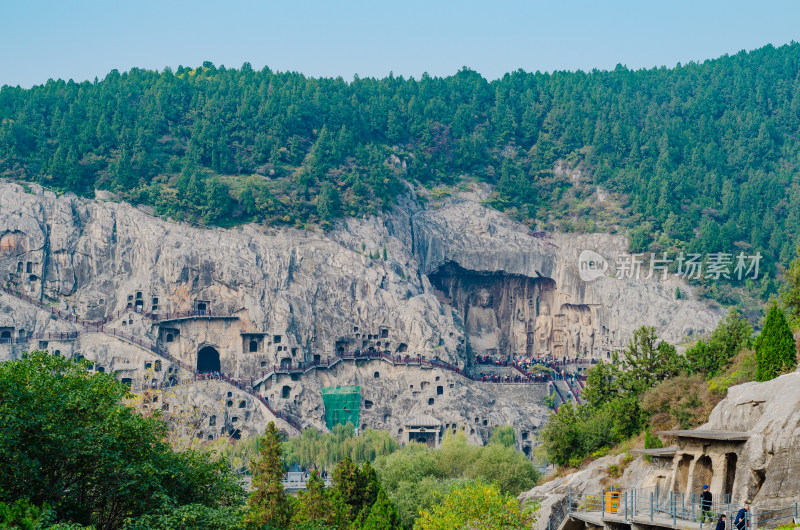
(748, 450)
(457, 278)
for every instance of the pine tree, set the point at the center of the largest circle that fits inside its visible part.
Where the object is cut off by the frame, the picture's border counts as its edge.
(382, 515)
(313, 504)
(356, 487)
(267, 503)
(775, 347)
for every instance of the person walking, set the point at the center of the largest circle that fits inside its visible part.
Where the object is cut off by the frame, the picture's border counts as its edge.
(705, 505)
(720, 523)
(741, 518)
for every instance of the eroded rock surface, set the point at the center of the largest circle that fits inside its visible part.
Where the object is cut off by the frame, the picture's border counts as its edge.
(457, 279)
(749, 450)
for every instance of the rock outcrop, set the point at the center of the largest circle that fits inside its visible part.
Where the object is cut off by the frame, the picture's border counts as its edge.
(749, 450)
(244, 300)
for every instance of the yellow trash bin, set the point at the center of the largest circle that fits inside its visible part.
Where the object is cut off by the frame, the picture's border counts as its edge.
(612, 501)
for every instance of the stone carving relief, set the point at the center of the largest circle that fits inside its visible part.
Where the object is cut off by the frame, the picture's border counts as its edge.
(544, 331)
(508, 315)
(482, 327)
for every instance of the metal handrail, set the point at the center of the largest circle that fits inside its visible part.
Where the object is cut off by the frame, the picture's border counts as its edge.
(639, 504)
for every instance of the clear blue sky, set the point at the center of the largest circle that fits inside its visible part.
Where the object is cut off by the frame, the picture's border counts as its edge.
(83, 39)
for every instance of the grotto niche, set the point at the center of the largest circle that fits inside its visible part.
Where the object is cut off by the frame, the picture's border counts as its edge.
(509, 314)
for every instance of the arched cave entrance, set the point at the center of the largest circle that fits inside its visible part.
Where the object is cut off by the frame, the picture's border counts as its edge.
(702, 472)
(208, 360)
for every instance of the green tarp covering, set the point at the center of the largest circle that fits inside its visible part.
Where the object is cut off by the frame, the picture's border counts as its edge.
(342, 404)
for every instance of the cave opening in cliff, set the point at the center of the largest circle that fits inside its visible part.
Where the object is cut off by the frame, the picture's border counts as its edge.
(208, 360)
(703, 471)
(731, 459)
(511, 314)
(682, 475)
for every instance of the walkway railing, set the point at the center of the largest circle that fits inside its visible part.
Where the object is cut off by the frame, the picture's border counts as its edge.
(558, 393)
(669, 508)
(296, 480)
(775, 518)
(396, 360)
(99, 326)
(71, 317)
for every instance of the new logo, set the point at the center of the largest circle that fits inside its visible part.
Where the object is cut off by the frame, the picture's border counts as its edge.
(591, 265)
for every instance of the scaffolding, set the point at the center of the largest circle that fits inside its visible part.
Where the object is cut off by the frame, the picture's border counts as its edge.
(342, 405)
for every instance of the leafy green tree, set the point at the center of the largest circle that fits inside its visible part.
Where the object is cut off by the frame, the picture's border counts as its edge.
(328, 202)
(324, 450)
(411, 475)
(383, 515)
(775, 347)
(191, 517)
(790, 296)
(411, 497)
(561, 435)
(651, 441)
(23, 515)
(701, 359)
(476, 505)
(267, 503)
(732, 334)
(504, 436)
(357, 487)
(106, 463)
(647, 361)
(601, 386)
(314, 505)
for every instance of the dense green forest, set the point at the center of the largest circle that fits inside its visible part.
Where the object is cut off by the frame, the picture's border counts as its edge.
(700, 157)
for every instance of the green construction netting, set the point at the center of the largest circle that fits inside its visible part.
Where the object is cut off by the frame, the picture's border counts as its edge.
(342, 404)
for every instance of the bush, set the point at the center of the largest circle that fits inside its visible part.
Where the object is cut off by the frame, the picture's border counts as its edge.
(684, 401)
(741, 370)
(412, 474)
(476, 505)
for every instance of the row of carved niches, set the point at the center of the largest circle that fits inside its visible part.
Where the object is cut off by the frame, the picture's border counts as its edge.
(516, 315)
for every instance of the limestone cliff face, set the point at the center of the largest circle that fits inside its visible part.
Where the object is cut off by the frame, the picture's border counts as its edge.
(104, 259)
(767, 469)
(749, 449)
(457, 279)
(484, 241)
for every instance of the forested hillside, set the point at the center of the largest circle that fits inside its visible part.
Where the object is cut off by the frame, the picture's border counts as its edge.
(699, 157)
